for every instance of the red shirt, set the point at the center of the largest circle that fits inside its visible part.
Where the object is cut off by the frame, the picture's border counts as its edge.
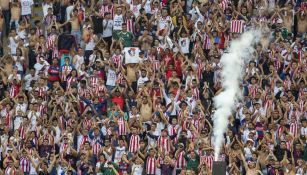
(178, 68)
(118, 100)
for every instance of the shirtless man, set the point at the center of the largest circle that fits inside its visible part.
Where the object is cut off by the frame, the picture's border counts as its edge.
(75, 25)
(301, 22)
(287, 17)
(250, 167)
(146, 108)
(15, 13)
(131, 73)
(5, 6)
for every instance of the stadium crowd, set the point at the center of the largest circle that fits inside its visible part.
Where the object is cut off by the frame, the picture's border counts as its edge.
(102, 87)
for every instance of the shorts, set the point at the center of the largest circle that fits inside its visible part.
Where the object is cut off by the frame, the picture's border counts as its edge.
(77, 34)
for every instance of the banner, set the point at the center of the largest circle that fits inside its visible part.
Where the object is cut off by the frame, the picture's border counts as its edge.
(132, 55)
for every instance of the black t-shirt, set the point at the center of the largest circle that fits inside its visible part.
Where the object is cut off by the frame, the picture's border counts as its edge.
(97, 25)
(2, 89)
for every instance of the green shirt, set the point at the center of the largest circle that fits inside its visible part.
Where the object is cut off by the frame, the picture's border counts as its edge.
(192, 164)
(109, 171)
(126, 37)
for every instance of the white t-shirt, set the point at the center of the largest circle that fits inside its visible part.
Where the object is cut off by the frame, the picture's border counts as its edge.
(119, 153)
(107, 28)
(136, 9)
(69, 9)
(11, 77)
(28, 78)
(79, 61)
(142, 80)
(147, 6)
(32, 116)
(90, 45)
(17, 122)
(111, 78)
(32, 169)
(13, 44)
(45, 7)
(22, 107)
(118, 21)
(39, 67)
(18, 63)
(26, 7)
(152, 142)
(184, 43)
(137, 169)
(164, 22)
(303, 131)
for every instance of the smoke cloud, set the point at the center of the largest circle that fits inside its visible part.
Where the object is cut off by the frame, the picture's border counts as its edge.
(239, 54)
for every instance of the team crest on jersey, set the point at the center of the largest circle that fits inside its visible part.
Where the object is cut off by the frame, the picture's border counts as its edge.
(131, 52)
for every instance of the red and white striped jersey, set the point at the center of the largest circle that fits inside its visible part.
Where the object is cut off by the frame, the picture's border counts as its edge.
(196, 93)
(100, 88)
(83, 92)
(287, 84)
(39, 32)
(134, 143)
(302, 106)
(200, 69)
(197, 122)
(106, 8)
(207, 42)
(63, 147)
(62, 122)
(269, 103)
(130, 25)
(65, 70)
(87, 123)
(173, 129)
(83, 140)
(117, 59)
(252, 89)
(237, 26)
(10, 171)
(180, 160)
(23, 132)
(42, 109)
(151, 166)
(156, 65)
(8, 119)
(51, 41)
(24, 164)
(280, 132)
(224, 4)
(42, 91)
(289, 144)
(294, 129)
(14, 90)
(70, 81)
(122, 130)
(164, 144)
(96, 148)
(208, 160)
(93, 81)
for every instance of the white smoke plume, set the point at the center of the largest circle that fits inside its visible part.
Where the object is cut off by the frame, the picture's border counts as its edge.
(233, 62)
